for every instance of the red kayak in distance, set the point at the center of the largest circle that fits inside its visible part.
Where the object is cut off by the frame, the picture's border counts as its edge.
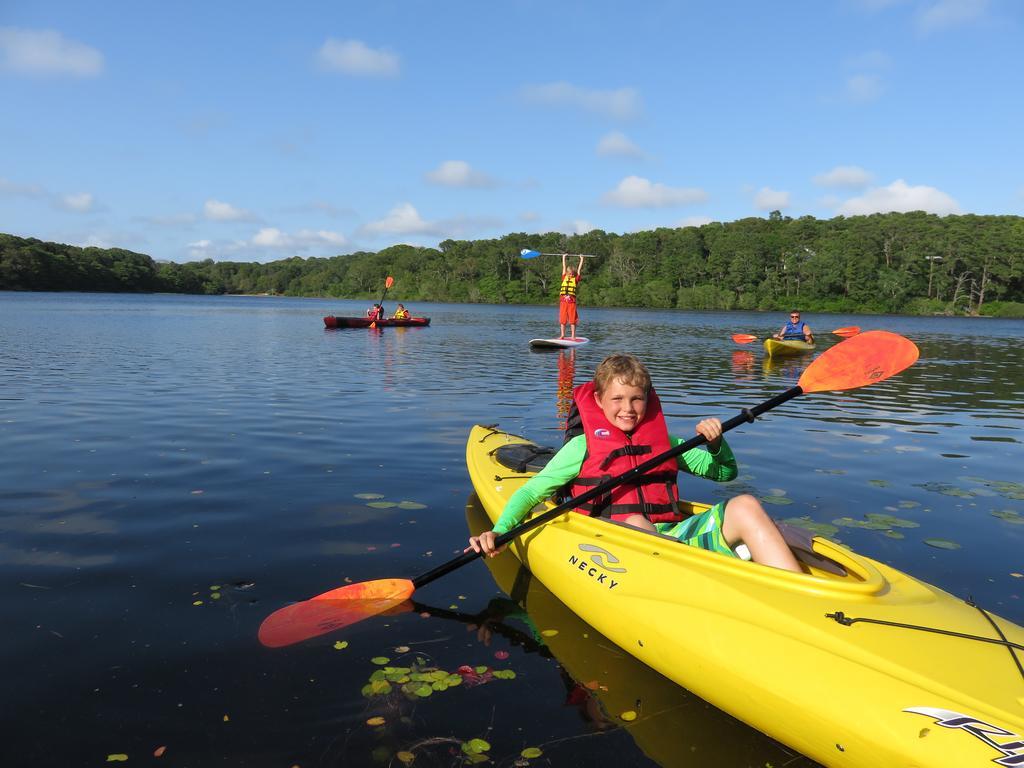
(364, 322)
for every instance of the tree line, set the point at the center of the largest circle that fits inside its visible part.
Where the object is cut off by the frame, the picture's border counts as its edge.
(914, 263)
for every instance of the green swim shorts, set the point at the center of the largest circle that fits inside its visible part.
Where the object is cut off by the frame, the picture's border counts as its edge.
(703, 530)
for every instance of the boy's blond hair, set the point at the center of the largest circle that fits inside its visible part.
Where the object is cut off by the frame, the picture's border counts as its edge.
(626, 368)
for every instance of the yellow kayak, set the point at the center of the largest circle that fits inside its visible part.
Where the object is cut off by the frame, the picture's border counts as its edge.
(672, 727)
(776, 348)
(805, 658)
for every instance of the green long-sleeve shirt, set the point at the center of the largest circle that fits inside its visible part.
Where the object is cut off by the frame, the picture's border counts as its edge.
(567, 463)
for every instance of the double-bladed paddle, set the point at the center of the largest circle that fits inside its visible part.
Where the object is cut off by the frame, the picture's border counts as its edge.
(380, 304)
(743, 338)
(526, 253)
(861, 360)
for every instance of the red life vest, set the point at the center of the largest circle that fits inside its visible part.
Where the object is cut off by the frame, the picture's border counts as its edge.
(610, 452)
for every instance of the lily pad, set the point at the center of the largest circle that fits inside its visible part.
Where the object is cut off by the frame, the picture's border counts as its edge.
(411, 505)
(629, 716)
(369, 495)
(475, 746)
(380, 660)
(1009, 516)
(778, 500)
(908, 504)
(879, 483)
(819, 529)
(942, 544)
(946, 489)
(891, 522)
(893, 534)
(531, 752)
(382, 504)
(341, 645)
(849, 522)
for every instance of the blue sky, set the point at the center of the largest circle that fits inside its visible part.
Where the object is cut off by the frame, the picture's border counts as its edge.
(259, 130)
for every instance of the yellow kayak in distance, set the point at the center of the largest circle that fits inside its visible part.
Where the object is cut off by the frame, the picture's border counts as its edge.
(808, 658)
(776, 348)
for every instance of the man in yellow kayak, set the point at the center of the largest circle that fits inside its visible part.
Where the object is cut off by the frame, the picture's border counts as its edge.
(622, 425)
(795, 330)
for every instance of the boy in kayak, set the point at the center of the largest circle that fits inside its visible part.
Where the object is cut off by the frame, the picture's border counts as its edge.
(376, 312)
(401, 313)
(623, 425)
(567, 311)
(795, 330)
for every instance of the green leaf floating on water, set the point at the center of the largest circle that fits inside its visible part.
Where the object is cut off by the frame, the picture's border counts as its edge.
(946, 489)
(849, 522)
(893, 534)
(411, 505)
(380, 660)
(890, 521)
(908, 504)
(382, 504)
(942, 544)
(531, 752)
(879, 483)
(369, 495)
(475, 746)
(820, 529)
(779, 500)
(504, 674)
(1009, 516)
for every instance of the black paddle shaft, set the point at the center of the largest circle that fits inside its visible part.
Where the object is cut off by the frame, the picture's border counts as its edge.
(745, 416)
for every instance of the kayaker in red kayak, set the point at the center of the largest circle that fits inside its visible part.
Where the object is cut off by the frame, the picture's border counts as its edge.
(795, 330)
(376, 312)
(622, 426)
(568, 313)
(401, 313)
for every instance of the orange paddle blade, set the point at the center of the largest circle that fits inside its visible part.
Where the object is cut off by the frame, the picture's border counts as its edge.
(863, 359)
(847, 331)
(332, 610)
(389, 282)
(743, 338)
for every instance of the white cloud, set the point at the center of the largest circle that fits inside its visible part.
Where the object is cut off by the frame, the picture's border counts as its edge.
(862, 88)
(215, 210)
(616, 144)
(576, 227)
(534, 216)
(14, 189)
(303, 240)
(900, 197)
(46, 52)
(694, 221)
(621, 104)
(637, 192)
(81, 203)
(458, 173)
(403, 219)
(949, 13)
(354, 57)
(848, 176)
(768, 199)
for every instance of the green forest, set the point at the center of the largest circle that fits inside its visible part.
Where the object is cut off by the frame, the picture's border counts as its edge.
(911, 263)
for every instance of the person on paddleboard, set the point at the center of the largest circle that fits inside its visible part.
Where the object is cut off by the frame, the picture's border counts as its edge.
(568, 313)
(401, 313)
(795, 329)
(622, 424)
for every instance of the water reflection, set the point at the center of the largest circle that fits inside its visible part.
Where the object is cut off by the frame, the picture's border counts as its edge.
(672, 727)
(566, 377)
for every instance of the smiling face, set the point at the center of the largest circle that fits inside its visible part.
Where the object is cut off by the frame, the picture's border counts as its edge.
(624, 405)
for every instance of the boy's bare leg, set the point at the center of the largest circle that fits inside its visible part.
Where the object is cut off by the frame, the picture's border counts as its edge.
(746, 521)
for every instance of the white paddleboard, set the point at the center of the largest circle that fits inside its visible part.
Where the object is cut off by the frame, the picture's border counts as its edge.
(558, 343)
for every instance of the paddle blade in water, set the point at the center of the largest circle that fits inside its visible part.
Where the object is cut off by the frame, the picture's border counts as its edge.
(863, 359)
(526, 253)
(846, 332)
(743, 338)
(332, 610)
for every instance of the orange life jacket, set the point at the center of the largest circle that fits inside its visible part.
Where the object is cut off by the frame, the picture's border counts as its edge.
(610, 452)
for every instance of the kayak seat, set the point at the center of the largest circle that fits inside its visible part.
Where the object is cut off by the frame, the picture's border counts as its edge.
(523, 457)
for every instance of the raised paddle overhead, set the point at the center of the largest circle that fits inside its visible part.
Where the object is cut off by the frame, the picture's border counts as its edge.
(558, 343)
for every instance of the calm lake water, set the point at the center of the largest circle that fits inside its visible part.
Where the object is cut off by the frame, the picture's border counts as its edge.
(176, 468)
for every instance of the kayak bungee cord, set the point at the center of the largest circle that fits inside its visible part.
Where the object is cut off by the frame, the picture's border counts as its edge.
(841, 618)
